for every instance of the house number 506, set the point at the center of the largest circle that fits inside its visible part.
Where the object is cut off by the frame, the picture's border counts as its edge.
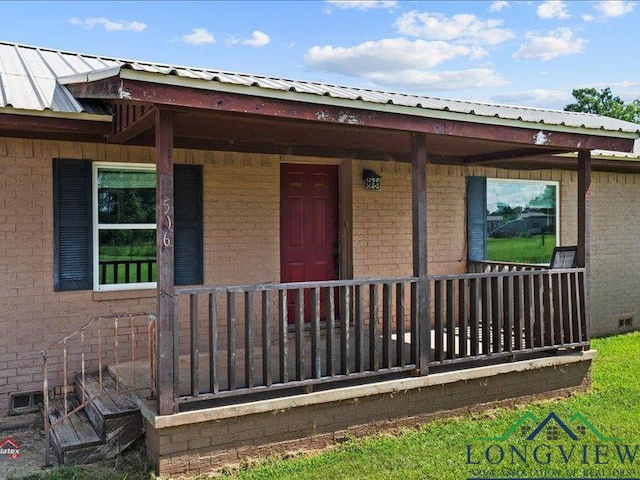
(166, 239)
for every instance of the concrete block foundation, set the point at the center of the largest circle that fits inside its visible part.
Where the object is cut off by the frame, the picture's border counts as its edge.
(207, 440)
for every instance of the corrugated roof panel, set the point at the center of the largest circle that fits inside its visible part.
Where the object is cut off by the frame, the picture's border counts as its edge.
(187, 73)
(275, 84)
(29, 78)
(35, 64)
(10, 61)
(85, 64)
(21, 94)
(303, 87)
(6, 98)
(201, 74)
(231, 78)
(65, 102)
(63, 65)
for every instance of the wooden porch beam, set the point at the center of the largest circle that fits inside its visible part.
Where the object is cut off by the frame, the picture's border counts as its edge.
(510, 154)
(419, 228)
(287, 149)
(179, 96)
(584, 227)
(584, 207)
(167, 376)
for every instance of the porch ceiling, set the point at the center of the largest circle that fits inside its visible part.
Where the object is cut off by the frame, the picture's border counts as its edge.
(237, 132)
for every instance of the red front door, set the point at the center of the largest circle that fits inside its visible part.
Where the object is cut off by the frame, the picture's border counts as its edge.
(308, 226)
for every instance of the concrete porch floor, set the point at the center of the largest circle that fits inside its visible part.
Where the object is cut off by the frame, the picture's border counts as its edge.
(136, 374)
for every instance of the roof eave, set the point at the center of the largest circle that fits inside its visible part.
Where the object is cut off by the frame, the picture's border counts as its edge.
(48, 113)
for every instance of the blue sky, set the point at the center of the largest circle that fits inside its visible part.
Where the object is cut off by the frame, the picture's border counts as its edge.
(529, 53)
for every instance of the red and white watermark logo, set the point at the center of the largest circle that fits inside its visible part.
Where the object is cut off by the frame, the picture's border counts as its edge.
(10, 448)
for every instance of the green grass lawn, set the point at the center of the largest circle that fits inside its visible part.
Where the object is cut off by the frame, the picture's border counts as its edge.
(438, 450)
(521, 249)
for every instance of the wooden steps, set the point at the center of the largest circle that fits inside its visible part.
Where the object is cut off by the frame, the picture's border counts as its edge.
(109, 423)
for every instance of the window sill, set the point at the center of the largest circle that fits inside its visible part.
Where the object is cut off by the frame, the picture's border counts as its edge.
(124, 294)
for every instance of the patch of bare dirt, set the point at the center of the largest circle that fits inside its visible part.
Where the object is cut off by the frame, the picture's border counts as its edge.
(26, 431)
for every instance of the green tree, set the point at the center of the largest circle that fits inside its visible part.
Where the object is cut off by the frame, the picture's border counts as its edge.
(603, 102)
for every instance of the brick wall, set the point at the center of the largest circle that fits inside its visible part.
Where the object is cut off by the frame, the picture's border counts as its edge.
(32, 315)
(382, 219)
(241, 218)
(241, 233)
(615, 251)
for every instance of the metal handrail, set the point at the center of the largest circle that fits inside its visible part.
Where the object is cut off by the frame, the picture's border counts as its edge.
(79, 336)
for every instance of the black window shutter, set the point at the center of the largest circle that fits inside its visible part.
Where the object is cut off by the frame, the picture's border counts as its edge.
(477, 218)
(188, 256)
(72, 225)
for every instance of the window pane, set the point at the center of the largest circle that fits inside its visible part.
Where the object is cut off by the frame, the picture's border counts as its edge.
(126, 196)
(521, 221)
(127, 256)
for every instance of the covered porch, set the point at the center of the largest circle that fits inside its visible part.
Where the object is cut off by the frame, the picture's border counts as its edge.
(243, 342)
(227, 351)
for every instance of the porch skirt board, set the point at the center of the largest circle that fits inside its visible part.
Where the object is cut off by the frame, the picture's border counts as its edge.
(203, 446)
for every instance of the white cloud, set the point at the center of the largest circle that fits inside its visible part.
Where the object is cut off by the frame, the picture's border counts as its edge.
(553, 9)
(555, 43)
(621, 84)
(439, 80)
(362, 4)
(587, 17)
(536, 98)
(109, 25)
(466, 28)
(387, 54)
(401, 62)
(498, 5)
(258, 39)
(198, 36)
(614, 8)
(510, 193)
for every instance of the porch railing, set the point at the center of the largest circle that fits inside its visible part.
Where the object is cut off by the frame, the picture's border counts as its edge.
(277, 336)
(487, 266)
(250, 339)
(507, 313)
(104, 341)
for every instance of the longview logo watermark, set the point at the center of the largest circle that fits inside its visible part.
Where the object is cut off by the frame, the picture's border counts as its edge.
(530, 444)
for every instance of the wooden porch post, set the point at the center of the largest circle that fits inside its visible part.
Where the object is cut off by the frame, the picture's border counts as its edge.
(167, 316)
(584, 229)
(419, 228)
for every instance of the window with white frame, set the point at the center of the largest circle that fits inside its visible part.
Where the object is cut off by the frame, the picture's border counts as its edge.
(124, 228)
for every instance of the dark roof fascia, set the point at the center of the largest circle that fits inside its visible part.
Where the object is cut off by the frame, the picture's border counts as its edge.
(53, 127)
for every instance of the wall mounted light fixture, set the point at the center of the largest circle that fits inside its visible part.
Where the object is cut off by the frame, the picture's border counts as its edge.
(371, 179)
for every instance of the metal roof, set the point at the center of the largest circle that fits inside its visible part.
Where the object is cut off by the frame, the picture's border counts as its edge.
(28, 79)
(33, 78)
